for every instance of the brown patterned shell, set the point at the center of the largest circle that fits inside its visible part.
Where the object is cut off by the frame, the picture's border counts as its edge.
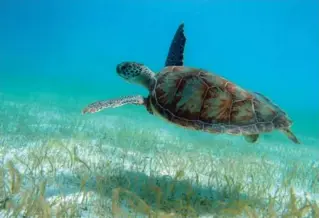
(197, 99)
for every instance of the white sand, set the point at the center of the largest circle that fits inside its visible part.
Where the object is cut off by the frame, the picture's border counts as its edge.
(129, 154)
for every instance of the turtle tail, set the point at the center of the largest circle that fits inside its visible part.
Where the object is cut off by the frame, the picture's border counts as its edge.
(290, 135)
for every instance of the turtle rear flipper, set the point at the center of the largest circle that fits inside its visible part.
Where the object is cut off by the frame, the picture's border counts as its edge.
(175, 55)
(251, 138)
(290, 135)
(113, 103)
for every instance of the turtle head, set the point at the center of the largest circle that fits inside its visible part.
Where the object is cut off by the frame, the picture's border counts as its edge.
(135, 73)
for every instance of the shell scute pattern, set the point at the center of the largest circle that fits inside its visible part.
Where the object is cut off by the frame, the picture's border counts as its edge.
(265, 126)
(214, 128)
(191, 93)
(249, 129)
(264, 112)
(268, 115)
(216, 108)
(242, 112)
(200, 100)
(166, 89)
(233, 130)
(178, 94)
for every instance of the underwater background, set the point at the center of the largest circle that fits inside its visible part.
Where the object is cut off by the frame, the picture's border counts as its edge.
(56, 57)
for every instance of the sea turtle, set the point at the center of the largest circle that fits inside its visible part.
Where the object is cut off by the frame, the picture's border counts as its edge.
(200, 100)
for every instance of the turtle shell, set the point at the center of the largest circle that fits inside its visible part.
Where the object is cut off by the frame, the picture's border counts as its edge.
(200, 100)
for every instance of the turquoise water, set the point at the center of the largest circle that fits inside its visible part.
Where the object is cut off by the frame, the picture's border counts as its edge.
(58, 56)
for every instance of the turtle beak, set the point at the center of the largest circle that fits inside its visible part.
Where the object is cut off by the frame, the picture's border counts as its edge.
(118, 68)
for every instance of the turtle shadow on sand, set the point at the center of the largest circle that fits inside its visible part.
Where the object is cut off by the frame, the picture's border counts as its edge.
(182, 197)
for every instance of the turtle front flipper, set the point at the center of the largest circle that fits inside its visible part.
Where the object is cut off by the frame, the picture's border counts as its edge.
(113, 103)
(175, 55)
(290, 135)
(251, 138)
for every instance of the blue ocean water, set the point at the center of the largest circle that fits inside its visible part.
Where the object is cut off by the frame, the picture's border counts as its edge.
(63, 54)
(270, 47)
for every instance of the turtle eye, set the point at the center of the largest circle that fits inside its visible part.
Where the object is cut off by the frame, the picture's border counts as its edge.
(124, 67)
(121, 68)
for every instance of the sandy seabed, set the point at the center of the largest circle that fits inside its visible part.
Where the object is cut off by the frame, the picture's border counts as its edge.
(57, 163)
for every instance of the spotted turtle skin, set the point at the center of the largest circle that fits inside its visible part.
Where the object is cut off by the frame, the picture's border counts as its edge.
(197, 99)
